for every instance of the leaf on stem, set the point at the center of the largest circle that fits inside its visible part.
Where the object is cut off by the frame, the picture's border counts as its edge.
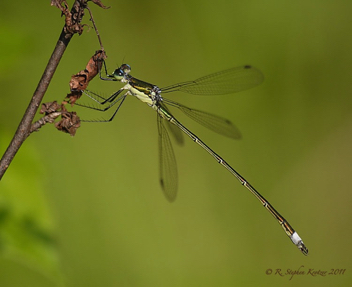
(98, 2)
(80, 81)
(72, 18)
(50, 107)
(69, 122)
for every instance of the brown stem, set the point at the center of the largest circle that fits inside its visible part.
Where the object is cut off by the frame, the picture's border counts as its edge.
(24, 128)
(96, 30)
(50, 118)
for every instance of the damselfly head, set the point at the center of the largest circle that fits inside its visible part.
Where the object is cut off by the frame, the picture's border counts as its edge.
(120, 73)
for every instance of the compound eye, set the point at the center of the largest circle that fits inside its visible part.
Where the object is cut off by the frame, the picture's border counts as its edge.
(118, 74)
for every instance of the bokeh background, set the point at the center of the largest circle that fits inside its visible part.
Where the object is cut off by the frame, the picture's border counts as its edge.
(88, 210)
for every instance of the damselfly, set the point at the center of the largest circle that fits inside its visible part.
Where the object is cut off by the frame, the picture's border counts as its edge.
(224, 82)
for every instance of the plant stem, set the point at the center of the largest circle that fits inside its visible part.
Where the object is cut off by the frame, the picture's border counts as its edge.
(24, 128)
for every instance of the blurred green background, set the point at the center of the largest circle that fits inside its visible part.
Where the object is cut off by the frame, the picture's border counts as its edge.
(88, 210)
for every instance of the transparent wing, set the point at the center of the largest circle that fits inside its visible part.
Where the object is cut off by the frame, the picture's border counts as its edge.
(224, 82)
(215, 123)
(175, 131)
(167, 164)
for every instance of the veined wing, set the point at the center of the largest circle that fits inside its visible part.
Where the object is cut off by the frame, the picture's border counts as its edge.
(167, 164)
(175, 131)
(225, 82)
(213, 122)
